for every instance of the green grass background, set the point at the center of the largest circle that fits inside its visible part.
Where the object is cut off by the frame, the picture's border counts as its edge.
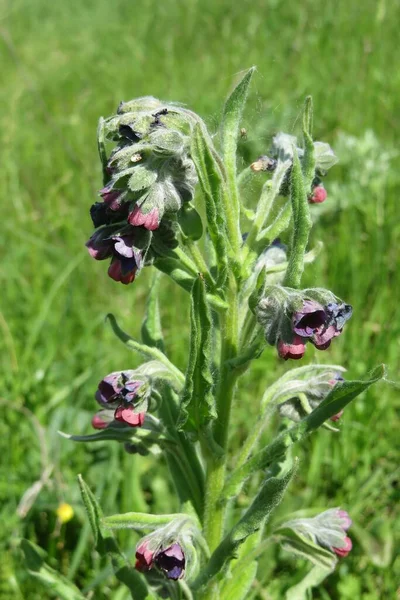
(63, 65)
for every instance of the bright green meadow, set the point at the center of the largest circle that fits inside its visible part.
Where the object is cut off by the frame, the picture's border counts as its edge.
(64, 64)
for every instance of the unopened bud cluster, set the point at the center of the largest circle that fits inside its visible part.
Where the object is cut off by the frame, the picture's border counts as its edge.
(149, 176)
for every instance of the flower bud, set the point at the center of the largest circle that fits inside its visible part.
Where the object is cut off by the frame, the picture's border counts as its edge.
(294, 350)
(327, 529)
(128, 397)
(319, 194)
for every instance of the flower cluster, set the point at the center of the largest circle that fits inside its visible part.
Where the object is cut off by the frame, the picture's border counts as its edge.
(122, 398)
(328, 529)
(170, 560)
(149, 176)
(292, 318)
(308, 397)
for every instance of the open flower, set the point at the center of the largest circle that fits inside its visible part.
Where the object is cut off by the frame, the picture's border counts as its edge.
(171, 561)
(126, 257)
(128, 398)
(320, 324)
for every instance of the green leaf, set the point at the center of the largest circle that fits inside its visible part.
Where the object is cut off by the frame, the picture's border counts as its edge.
(102, 150)
(152, 334)
(314, 578)
(255, 517)
(337, 399)
(294, 542)
(238, 586)
(190, 222)
(308, 161)
(141, 178)
(140, 521)
(213, 186)
(145, 350)
(106, 545)
(230, 126)
(172, 267)
(197, 407)
(57, 584)
(301, 225)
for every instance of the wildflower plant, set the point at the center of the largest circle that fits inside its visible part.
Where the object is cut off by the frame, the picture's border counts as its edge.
(172, 199)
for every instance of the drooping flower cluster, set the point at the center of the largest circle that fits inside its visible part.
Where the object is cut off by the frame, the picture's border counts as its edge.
(170, 561)
(291, 318)
(328, 529)
(170, 549)
(308, 396)
(149, 176)
(282, 149)
(123, 398)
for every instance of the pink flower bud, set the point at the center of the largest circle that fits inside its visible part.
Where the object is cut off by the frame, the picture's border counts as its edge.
(343, 552)
(319, 195)
(294, 350)
(98, 422)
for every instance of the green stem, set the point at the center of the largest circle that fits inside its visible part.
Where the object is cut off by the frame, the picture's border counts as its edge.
(214, 513)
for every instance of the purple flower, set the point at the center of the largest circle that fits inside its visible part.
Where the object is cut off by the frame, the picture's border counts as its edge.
(126, 259)
(112, 198)
(171, 561)
(320, 324)
(309, 320)
(294, 350)
(118, 392)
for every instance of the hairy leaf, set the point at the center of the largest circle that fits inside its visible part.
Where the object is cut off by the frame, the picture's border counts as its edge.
(151, 328)
(315, 577)
(197, 402)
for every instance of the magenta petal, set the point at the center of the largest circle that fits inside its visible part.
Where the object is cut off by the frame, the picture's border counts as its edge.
(295, 350)
(128, 416)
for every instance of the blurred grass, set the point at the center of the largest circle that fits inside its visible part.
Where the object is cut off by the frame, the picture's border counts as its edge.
(64, 65)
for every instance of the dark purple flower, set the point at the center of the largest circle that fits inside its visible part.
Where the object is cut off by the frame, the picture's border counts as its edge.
(344, 551)
(119, 392)
(99, 246)
(171, 561)
(309, 319)
(320, 324)
(144, 557)
(112, 198)
(319, 195)
(150, 220)
(294, 350)
(126, 258)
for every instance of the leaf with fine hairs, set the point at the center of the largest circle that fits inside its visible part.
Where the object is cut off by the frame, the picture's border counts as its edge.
(152, 334)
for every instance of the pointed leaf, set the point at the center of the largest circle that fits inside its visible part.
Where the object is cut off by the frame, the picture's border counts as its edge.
(214, 189)
(197, 402)
(230, 127)
(314, 578)
(152, 334)
(308, 160)
(140, 520)
(294, 542)
(255, 517)
(102, 150)
(51, 579)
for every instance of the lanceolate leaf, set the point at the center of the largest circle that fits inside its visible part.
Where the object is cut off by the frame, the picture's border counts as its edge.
(255, 517)
(107, 546)
(151, 328)
(300, 591)
(214, 189)
(102, 150)
(300, 545)
(197, 402)
(140, 520)
(230, 126)
(309, 152)
(51, 579)
(341, 395)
